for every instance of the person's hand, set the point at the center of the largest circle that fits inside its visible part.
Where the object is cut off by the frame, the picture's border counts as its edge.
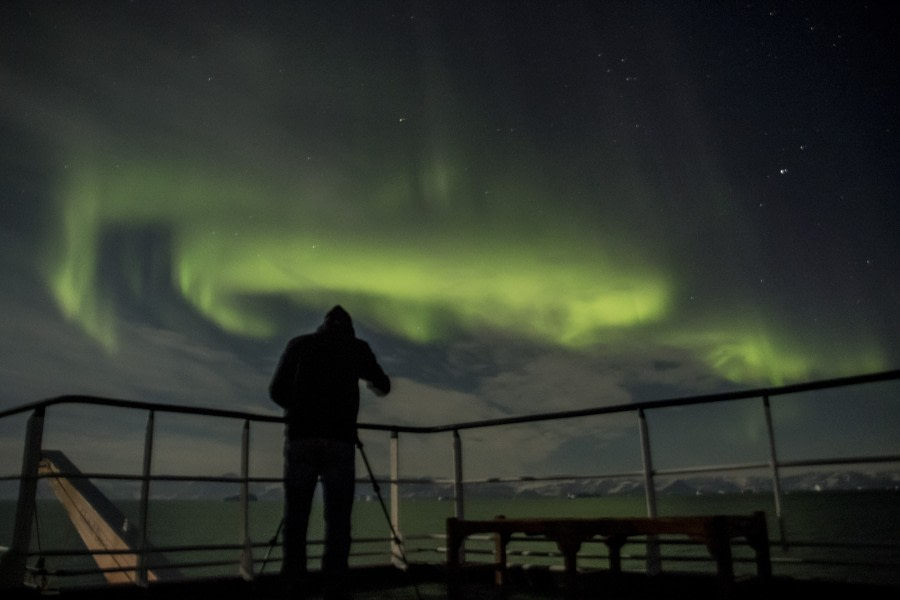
(375, 390)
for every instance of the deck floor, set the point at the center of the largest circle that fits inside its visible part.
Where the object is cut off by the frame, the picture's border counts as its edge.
(430, 584)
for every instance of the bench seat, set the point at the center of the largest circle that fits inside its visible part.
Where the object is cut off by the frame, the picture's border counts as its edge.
(714, 531)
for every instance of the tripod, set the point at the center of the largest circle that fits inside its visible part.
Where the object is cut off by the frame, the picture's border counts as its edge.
(395, 537)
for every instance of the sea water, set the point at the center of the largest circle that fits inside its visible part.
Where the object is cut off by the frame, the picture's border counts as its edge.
(865, 524)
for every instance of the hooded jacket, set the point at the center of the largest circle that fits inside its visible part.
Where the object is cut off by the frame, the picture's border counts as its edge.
(317, 380)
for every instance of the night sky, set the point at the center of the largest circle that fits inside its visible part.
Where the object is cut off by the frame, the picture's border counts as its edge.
(525, 206)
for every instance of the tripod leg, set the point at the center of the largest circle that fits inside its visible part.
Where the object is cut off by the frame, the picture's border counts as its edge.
(394, 535)
(272, 543)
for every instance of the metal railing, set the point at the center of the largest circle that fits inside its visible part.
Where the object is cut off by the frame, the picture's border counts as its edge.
(14, 567)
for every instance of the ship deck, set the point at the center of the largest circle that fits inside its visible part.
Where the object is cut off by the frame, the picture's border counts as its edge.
(820, 562)
(429, 582)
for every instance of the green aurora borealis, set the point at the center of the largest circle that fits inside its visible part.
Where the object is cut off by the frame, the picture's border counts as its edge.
(548, 281)
(226, 248)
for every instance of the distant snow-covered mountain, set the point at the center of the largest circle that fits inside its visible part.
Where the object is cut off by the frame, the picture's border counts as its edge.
(813, 481)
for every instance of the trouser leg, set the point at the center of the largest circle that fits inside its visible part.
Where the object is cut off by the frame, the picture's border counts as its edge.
(338, 482)
(301, 476)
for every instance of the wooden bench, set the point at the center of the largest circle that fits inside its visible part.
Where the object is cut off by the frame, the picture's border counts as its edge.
(715, 531)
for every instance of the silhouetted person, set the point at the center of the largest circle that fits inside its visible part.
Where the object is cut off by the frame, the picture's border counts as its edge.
(317, 384)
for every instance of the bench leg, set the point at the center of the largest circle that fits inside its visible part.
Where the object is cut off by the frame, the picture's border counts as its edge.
(614, 543)
(569, 549)
(718, 541)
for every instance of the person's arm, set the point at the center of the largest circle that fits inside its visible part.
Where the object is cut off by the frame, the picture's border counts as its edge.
(281, 388)
(375, 377)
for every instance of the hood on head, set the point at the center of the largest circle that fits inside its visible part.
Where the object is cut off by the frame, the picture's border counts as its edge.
(338, 319)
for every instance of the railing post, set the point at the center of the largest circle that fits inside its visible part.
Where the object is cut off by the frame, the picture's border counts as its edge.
(396, 539)
(13, 562)
(654, 565)
(458, 494)
(776, 476)
(141, 575)
(458, 498)
(246, 568)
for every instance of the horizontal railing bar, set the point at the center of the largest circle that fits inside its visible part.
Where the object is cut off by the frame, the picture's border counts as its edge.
(844, 545)
(853, 460)
(154, 550)
(444, 481)
(141, 405)
(836, 563)
(750, 560)
(648, 405)
(188, 548)
(700, 557)
(490, 480)
(713, 468)
(126, 477)
(664, 539)
(70, 572)
(636, 406)
(839, 461)
(533, 479)
(158, 549)
(690, 470)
